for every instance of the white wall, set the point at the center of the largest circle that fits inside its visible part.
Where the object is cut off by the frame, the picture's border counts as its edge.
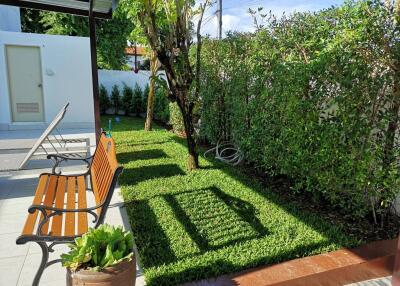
(10, 19)
(66, 73)
(108, 78)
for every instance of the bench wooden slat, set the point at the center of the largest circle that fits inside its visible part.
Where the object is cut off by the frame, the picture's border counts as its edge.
(71, 199)
(95, 190)
(56, 225)
(48, 200)
(106, 184)
(31, 220)
(82, 216)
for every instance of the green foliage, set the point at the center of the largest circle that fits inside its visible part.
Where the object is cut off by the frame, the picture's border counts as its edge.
(193, 225)
(175, 118)
(105, 103)
(31, 21)
(99, 248)
(127, 98)
(146, 91)
(115, 99)
(161, 104)
(137, 100)
(111, 35)
(309, 96)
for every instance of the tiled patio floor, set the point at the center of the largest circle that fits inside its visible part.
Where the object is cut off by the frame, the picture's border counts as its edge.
(18, 263)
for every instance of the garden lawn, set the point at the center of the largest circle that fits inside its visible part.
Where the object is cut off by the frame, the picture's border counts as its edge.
(201, 224)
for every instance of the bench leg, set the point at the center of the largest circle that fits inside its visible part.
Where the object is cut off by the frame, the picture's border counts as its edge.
(45, 258)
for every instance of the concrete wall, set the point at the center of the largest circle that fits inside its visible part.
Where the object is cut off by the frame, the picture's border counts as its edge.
(10, 19)
(66, 73)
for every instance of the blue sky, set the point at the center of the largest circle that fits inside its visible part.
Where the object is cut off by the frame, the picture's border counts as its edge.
(236, 18)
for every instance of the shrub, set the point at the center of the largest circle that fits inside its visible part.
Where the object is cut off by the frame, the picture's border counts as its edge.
(146, 91)
(313, 105)
(115, 99)
(105, 103)
(161, 105)
(137, 100)
(99, 248)
(176, 120)
(127, 95)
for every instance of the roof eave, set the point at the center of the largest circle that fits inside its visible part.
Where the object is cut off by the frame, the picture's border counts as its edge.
(57, 8)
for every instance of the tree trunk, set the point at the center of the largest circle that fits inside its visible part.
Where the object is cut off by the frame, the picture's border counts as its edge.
(187, 116)
(151, 96)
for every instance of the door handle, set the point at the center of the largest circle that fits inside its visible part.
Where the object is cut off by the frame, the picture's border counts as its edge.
(39, 85)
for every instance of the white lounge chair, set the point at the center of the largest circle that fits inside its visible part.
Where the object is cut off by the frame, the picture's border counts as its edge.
(50, 143)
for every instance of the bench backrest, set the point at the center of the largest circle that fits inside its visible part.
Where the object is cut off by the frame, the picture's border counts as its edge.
(104, 172)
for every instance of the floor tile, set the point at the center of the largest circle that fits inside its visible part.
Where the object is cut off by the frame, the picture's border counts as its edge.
(31, 265)
(8, 247)
(10, 269)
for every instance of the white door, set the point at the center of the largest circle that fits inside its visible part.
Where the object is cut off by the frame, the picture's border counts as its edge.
(25, 83)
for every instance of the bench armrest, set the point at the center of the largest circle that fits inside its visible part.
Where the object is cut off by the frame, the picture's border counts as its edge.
(49, 212)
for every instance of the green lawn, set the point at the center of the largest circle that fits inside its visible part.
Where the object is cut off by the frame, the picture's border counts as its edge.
(194, 225)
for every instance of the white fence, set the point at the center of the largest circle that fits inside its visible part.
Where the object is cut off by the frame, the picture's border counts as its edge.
(109, 78)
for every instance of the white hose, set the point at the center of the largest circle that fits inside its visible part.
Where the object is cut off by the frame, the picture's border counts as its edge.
(234, 156)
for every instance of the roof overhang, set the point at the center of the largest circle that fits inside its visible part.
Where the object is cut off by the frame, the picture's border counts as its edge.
(101, 8)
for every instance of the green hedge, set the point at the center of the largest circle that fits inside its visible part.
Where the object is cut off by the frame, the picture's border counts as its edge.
(313, 96)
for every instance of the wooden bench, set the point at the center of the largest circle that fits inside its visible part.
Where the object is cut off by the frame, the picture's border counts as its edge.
(59, 212)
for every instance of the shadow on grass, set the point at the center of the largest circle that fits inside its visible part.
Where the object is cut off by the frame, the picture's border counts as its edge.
(215, 268)
(132, 176)
(153, 252)
(206, 225)
(310, 219)
(219, 213)
(197, 210)
(126, 157)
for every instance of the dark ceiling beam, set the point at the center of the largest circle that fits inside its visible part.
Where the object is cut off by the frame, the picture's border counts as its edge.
(57, 8)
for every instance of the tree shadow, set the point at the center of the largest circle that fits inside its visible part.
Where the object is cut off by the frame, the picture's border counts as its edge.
(192, 209)
(207, 225)
(133, 176)
(312, 220)
(126, 157)
(143, 220)
(215, 268)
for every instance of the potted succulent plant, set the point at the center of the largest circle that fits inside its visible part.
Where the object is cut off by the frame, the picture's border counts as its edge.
(101, 257)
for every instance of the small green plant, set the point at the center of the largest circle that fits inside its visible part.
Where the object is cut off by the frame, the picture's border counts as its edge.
(115, 99)
(127, 94)
(99, 248)
(146, 91)
(176, 119)
(104, 100)
(161, 105)
(137, 100)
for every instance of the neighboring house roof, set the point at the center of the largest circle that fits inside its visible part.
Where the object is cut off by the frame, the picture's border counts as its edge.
(140, 51)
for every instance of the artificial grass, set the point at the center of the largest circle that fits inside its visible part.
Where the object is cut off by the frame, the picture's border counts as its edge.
(208, 222)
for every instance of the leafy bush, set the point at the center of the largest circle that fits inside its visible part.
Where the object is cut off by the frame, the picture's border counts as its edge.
(161, 105)
(176, 119)
(314, 96)
(137, 100)
(115, 99)
(105, 103)
(127, 94)
(99, 248)
(146, 91)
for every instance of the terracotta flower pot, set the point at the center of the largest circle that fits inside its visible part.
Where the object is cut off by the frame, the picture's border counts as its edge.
(123, 273)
